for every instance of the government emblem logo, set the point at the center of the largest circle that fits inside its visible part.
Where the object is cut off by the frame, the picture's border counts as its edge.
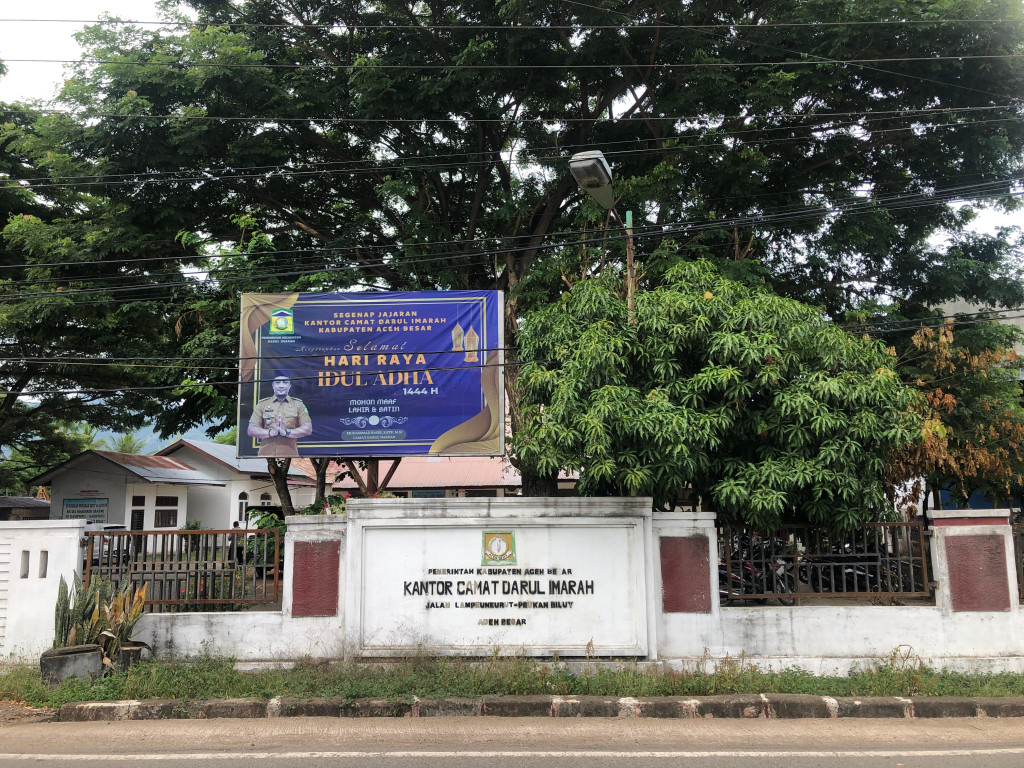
(281, 321)
(499, 548)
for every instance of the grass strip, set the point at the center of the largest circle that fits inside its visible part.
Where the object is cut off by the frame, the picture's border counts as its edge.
(432, 677)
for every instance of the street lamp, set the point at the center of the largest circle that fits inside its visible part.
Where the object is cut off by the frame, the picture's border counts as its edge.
(594, 176)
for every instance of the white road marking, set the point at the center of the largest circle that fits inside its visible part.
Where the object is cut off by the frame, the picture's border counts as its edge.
(107, 757)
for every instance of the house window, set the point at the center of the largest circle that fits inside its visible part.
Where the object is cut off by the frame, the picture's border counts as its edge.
(264, 499)
(138, 501)
(481, 493)
(243, 504)
(429, 493)
(166, 512)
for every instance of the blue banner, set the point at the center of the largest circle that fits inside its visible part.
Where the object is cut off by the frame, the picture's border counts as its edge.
(371, 374)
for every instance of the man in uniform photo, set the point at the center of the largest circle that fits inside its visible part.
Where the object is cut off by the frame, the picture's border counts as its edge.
(280, 420)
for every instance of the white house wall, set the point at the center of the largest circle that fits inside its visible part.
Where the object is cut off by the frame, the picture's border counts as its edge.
(99, 480)
(216, 507)
(211, 506)
(150, 492)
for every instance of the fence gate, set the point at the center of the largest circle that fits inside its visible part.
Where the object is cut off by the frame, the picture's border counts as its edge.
(880, 561)
(190, 570)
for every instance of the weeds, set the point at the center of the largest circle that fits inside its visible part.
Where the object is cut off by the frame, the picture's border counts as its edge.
(425, 676)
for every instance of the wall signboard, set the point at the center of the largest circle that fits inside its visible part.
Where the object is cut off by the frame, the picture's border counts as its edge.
(570, 586)
(92, 510)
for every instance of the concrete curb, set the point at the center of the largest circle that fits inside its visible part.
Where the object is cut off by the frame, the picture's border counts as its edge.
(770, 705)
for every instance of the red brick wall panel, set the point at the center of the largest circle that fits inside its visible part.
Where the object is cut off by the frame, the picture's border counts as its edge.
(977, 573)
(315, 578)
(685, 574)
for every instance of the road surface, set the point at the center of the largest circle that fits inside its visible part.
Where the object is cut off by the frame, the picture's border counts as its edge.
(454, 742)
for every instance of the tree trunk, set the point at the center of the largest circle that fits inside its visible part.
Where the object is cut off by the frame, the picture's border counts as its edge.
(278, 469)
(538, 485)
(320, 466)
(533, 483)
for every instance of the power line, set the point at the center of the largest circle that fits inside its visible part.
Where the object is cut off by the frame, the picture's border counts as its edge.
(530, 67)
(339, 250)
(822, 59)
(515, 28)
(235, 359)
(868, 114)
(236, 383)
(423, 163)
(274, 363)
(922, 325)
(895, 202)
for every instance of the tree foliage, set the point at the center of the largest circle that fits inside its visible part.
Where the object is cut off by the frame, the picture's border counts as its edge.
(402, 132)
(84, 320)
(819, 144)
(969, 377)
(769, 412)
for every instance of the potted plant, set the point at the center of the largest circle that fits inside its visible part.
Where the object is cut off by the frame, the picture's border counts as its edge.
(120, 615)
(76, 650)
(93, 629)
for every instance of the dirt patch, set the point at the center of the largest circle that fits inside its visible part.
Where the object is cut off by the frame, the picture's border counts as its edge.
(17, 713)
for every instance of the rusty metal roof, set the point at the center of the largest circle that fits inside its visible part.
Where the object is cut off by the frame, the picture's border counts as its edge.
(151, 469)
(446, 472)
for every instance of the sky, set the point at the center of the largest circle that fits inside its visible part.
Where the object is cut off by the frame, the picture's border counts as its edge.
(51, 40)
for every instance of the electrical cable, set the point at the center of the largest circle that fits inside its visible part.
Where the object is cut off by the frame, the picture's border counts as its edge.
(148, 178)
(899, 202)
(514, 28)
(530, 67)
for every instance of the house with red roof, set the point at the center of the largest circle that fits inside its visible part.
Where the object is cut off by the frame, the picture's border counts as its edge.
(188, 480)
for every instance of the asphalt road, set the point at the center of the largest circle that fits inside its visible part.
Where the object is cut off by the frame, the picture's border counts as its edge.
(518, 743)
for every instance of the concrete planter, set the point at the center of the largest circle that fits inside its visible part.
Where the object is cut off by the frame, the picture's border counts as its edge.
(58, 664)
(127, 655)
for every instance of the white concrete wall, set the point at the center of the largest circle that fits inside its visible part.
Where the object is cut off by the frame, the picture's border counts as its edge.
(28, 596)
(246, 636)
(822, 639)
(836, 639)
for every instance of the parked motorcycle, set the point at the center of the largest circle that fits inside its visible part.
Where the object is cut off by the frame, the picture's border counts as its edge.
(758, 567)
(849, 567)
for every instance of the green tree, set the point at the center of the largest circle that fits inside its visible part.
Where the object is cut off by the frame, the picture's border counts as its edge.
(230, 437)
(129, 442)
(968, 376)
(768, 411)
(78, 307)
(820, 145)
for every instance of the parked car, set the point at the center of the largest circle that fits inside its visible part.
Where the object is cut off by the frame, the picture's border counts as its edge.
(112, 550)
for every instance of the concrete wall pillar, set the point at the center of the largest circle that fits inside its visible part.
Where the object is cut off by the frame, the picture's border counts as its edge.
(34, 555)
(314, 565)
(686, 562)
(973, 560)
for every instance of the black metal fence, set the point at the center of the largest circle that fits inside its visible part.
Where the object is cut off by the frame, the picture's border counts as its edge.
(802, 563)
(190, 570)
